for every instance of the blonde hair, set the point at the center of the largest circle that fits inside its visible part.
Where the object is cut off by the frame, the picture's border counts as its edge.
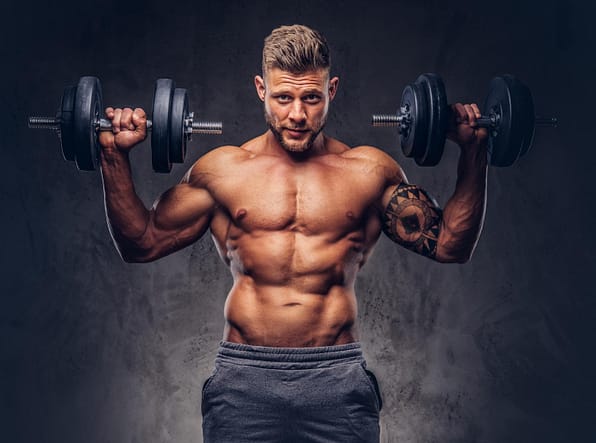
(295, 49)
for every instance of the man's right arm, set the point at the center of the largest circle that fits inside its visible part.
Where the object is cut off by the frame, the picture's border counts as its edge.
(179, 216)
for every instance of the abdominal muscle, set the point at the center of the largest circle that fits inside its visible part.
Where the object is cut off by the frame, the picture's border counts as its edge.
(292, 290)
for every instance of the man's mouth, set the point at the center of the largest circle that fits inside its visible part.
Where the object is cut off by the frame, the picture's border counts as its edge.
(296, 133)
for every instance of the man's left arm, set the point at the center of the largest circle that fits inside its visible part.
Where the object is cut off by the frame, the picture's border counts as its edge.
(413, 219)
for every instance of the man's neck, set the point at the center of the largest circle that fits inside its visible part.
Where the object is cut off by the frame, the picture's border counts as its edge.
(272, 146)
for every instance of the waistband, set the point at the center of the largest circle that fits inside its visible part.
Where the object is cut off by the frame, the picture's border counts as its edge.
(288, 358)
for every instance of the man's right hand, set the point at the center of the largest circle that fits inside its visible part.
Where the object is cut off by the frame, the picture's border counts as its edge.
(129, 128)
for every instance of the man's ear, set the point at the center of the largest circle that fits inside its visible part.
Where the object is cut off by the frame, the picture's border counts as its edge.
(260, 86)
(333, 85)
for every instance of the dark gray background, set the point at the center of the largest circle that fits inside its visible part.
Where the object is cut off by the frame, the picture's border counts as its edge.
(497, 350)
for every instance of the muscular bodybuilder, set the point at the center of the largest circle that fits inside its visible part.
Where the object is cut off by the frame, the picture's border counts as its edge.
(294, 215)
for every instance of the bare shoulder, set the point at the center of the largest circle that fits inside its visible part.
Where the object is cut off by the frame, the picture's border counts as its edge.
(214, 163)
(370, 153)
(377, 159)
(218, 162)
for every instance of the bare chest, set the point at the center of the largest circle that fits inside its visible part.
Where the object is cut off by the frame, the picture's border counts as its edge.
(309, 198)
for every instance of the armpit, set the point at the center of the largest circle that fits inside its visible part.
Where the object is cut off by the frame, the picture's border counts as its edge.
(413, 219)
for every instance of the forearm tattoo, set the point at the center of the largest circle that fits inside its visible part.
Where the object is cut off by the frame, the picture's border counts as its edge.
(413, 219)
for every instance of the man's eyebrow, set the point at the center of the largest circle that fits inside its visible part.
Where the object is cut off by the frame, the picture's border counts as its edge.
(303, 93)
(312, 91)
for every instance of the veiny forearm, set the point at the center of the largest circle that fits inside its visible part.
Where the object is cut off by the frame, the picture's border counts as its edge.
(463, 215)
(127, 216)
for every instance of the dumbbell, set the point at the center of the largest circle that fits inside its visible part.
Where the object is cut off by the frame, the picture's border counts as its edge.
(423, 117)
(78, 122)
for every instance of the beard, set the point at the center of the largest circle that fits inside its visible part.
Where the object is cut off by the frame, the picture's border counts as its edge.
(295, 145)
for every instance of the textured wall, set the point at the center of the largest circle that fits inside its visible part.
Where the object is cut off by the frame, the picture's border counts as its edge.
(497, 350)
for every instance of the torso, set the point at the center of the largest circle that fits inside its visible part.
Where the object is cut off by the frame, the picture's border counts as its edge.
(294, 234)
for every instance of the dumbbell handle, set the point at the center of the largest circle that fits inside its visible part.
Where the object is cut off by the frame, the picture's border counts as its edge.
(103, 124)
(484, 121)
(386, 120)
(490, 121)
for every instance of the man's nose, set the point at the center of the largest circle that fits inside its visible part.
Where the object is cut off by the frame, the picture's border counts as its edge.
(297, 112)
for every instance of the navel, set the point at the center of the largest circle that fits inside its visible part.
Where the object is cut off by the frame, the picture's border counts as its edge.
(350, 215)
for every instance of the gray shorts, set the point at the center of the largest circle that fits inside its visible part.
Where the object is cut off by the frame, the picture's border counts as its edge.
(264, 394)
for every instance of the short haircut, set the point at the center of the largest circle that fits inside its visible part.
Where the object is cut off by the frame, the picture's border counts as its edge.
(295, 49)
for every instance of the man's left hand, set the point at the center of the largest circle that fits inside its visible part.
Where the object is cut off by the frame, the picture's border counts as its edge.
(463, 128)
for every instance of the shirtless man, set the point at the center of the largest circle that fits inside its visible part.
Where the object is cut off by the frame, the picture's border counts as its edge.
(294, 214)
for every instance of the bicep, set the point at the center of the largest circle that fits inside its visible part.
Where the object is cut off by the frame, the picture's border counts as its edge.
(179, 217)
(182, 206)
(412, 218)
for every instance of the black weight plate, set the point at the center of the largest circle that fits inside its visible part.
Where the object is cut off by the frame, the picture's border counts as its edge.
(160, 130)
(66, 115)
(87, 108)
(526, 112)
(505, 140)
(413, 134)
(177, 136)
(499, 103)
(438, 119)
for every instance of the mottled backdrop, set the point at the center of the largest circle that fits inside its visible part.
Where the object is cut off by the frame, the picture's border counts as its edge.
(497, 350)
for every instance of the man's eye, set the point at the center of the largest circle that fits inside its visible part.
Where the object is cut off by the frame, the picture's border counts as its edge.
(284, 98)
(312, 98)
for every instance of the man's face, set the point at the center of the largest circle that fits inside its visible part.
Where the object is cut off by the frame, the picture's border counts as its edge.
(296, 105)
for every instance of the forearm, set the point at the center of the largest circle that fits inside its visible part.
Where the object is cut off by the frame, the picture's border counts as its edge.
(463, 215)
(126, 215)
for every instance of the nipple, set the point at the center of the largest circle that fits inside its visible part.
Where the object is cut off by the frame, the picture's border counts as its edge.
(241, 213)
(350, 214)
